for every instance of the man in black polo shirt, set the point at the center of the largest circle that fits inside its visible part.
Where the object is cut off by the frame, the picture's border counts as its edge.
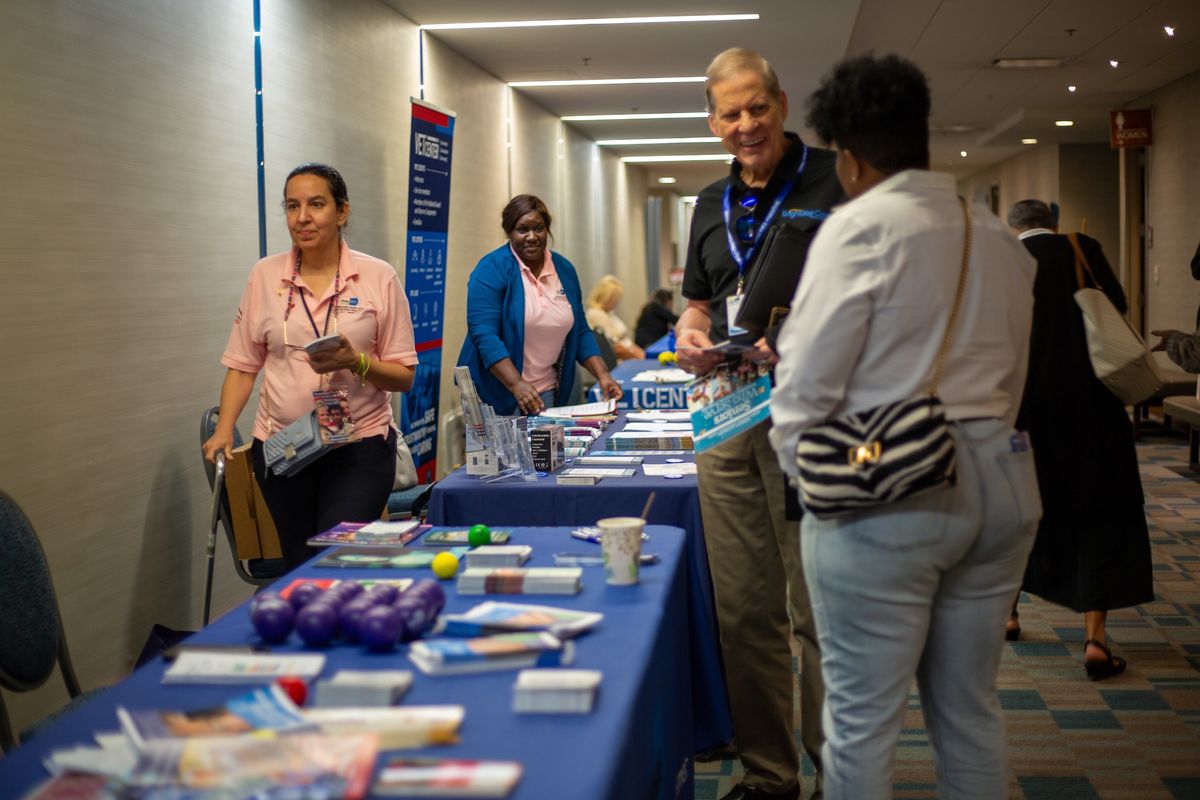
(753, 550)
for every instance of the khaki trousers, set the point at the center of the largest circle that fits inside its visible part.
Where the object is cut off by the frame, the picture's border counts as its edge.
(754, 558)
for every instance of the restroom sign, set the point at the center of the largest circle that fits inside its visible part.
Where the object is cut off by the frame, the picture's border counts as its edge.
(1130, 127)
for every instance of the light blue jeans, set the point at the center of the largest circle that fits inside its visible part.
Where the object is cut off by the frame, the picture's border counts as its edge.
(922, 588)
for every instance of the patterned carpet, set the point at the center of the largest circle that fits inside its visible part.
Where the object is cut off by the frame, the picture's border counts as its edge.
(1136, 736)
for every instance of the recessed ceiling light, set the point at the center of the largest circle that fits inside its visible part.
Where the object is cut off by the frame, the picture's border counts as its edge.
(962, 153)
(1026, 63)
(1029, 140)
(666, 179)
(1072, 88)
(559, 23)
(1064, 123)
(608, 81)
(605, 117)
(670, 159)
(1169, 30)
(669, 140)
(1112, 62)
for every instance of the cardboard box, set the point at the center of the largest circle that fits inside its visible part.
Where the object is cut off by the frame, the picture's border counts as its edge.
(546, 444)
(253, 529)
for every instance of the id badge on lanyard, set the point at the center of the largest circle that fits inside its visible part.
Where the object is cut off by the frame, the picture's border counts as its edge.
(733, 303)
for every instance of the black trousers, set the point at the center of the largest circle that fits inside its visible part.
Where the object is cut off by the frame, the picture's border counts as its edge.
(349, 484)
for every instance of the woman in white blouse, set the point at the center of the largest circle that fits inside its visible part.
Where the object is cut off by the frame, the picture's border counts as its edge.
(602, 301)
(918, 587)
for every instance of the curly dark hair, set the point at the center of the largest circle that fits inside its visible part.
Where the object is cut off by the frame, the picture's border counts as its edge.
(878, 109)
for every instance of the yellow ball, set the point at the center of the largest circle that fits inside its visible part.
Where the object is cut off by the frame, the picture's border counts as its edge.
(445, 565)
(666, 358)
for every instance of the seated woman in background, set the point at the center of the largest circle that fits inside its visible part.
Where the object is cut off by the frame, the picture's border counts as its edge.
(317, 288)
(655, 319)
(526, 329)
(601, 302)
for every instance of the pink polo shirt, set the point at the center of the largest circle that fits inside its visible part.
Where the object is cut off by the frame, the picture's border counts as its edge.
(372, 312)
(548, 320)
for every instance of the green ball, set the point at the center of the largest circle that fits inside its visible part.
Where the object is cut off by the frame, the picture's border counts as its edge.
(479, 534)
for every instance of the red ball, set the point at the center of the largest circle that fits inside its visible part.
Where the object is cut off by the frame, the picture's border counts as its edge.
(295, 688)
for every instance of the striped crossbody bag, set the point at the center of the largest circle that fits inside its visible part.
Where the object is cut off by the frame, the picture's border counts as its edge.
(885, 453)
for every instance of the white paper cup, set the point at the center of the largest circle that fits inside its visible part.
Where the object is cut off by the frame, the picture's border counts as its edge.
(622, 545)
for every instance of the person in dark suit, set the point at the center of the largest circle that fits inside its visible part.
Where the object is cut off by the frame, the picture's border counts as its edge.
(655, 319)
(1092, 552)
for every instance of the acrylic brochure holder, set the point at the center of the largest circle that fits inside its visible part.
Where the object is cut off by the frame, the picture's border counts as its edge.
(497, 448)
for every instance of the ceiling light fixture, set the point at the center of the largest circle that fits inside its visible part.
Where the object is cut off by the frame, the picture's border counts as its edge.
(561, 23)
(1026, 63)
(1072, 88)
(1112, 62)
(666, 179)
(669, 159)
(1064, 123)
(613, 117)
(1029, 140)
(669, 140)
(962, 153)
(606, 82)
(1169, 30)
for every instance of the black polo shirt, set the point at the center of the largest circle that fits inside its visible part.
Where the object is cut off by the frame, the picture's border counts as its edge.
(711, 273)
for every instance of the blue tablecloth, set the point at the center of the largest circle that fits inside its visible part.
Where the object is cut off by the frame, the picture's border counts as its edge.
(459, 499)
(636, 743)
(645, 394)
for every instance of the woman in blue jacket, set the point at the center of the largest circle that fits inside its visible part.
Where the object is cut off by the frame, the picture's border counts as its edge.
(526, 327)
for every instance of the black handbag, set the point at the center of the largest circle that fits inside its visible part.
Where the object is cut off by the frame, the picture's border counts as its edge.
(885, 453)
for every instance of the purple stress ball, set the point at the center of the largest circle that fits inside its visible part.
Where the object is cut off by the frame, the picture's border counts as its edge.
(273, 620)
(265, 597)
(317, 624)
(380, 628)
(382, 594)
(304, 594)
(351, 616)
(431, 590)
(415, 612)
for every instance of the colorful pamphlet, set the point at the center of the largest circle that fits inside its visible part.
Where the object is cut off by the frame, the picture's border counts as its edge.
(486, 653)
(458, 537)
(446, 777)
(268, 708)
(727, 401)
(499, 617)
(520, 580)
(350, 534)
(397, 727)
(194, 666)
(389, 557)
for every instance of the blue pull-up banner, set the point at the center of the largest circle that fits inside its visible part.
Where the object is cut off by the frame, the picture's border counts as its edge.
(425, 275)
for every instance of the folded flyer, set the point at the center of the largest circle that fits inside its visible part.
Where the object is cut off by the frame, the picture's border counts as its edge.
(485, 653)
(497, 617)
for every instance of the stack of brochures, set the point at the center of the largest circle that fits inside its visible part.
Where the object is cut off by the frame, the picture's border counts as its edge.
(445, 777)
(500, 617)
(556, 691)
(499, 555)
(650, 440)
(520, 580)
(357, 688)
(487, 653)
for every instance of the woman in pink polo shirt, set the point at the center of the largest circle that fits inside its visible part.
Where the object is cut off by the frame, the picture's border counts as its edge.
(526, 328)
(319, 287)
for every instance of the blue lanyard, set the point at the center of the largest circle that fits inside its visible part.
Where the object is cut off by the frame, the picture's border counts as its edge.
(735, 250)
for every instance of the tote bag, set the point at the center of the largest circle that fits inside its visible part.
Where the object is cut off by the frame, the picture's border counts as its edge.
(1119, 356)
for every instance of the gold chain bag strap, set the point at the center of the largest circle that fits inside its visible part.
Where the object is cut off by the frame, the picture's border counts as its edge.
(885, 453)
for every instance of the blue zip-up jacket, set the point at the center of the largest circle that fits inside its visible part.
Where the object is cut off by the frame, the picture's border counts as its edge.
(496, 326)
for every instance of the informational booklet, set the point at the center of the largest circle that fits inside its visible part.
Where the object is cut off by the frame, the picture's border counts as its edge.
(670, 375)
(350, 534)
(607, 461)
(446, 777)
(212, 667)
(268, 708)
(447, 656)
(397, 727)
(599, 408)
(556, 691)
(520, 580)
(381, 557)
(500, 617)
(659, 427)
(599, 472)
(658, 416)
(727, 401)
(685, 468)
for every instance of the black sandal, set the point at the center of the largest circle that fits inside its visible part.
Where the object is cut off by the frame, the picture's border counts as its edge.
(1099, 670)
(1012, 629)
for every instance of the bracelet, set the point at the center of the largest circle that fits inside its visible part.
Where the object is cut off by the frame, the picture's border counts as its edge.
(364, 366)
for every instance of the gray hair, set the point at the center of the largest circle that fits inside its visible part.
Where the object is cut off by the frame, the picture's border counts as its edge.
(1028, 214)
(733, 61)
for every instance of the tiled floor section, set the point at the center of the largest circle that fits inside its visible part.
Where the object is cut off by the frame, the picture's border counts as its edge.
(1133, 737)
